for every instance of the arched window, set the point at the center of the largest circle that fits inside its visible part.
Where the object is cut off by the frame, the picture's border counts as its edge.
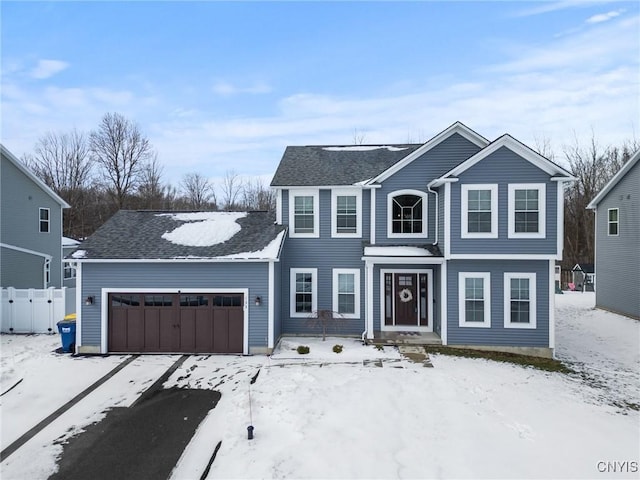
(408, 211)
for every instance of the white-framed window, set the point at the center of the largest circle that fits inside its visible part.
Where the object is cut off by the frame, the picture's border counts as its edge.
(44, 219)
(527, 206)
(346, 213)
(304, 213)
(304, 292)
(406, 214)
(69, 271)
(47, 272)
(479, 211)
(613, 222)
(474, 299)
(519, 300)
(346, 292)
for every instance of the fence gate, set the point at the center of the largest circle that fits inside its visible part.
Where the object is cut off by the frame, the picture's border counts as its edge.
(31, 310)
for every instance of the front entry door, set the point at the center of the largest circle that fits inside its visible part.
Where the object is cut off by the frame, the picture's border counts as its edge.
(406, 299)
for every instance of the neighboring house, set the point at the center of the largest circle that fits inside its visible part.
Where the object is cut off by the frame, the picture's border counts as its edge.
(453, 241)
(30, 228)
(583, 277)
(617, 236)
(68, 268)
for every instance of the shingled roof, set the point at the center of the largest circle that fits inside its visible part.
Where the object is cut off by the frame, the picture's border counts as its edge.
(337, 164)
(147, 234)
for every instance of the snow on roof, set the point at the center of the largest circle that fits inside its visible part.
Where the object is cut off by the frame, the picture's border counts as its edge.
(270, 251)
(203, 229)
(363, 148)
(403, 251)
(69, 242)
(79, 254)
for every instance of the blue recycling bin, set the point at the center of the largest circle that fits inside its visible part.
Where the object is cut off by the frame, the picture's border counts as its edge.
(67, 329)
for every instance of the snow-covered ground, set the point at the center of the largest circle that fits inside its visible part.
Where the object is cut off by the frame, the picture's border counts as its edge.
(362, 413)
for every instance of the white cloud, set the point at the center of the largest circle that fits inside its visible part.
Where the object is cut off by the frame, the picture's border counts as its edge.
(541, 8)
(603, 17)
(224, 88)
(48, 68)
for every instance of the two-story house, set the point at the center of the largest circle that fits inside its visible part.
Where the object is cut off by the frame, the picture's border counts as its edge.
(617, 234)
(452, 241)
(30, 228)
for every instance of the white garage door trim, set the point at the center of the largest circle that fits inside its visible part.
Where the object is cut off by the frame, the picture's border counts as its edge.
(104, 302)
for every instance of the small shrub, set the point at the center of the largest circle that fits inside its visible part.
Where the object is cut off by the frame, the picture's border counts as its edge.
(337, 348)
(380, 348)
(302, 349)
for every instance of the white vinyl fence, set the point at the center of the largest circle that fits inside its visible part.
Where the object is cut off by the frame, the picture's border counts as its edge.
(32, 310)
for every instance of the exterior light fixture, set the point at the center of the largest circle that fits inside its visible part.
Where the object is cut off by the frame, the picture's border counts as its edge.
(258, 301)
(88, 300)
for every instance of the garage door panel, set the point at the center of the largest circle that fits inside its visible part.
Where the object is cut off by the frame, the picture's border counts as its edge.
(191, 323)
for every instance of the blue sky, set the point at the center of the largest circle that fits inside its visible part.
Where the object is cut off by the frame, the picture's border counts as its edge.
(228, 85)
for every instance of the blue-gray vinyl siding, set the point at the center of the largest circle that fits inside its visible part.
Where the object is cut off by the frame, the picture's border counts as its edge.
(378, 319)
(415, 176)
(277, 304)
(497, 335)
(618, 257)
(122, 276)
(504, 167)
(20, 202)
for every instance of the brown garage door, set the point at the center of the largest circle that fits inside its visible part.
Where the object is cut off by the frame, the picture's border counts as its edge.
(184, 323)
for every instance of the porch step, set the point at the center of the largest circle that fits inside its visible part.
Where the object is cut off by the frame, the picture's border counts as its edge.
(405, 338)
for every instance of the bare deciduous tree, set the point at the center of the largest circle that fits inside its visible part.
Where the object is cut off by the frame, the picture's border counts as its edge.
(121, 150)
(151, 191)
(231, 190)
(257, 196)
(358, 137)
(197, 191)
(62, 161)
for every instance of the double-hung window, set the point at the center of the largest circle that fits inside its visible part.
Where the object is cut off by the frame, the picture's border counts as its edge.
(303, 213)
(479, 211)
(346, 217)
(527, 202)
(346, 292)
(474, 299)
(407, 214)
(303, 287)
(519, 300)
(44, 220)
(612, 222)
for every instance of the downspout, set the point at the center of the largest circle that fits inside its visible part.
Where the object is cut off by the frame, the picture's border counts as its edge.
(435, 192)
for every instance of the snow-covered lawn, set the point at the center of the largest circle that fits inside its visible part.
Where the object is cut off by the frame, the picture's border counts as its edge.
(364, 413)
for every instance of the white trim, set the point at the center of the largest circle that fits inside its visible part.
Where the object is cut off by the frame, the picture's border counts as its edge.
(176, 260)
(501, 256)
(486, 297)
(614, 181)
(617, 222)
(405, 260)
(279, 206)
(516, 147)
(542, 208)
(104, 303)
(369, 296)
(48, 220)
(23, 168)
(26, 250)
(559, 220)
(464, 210)
(271, 313)
(444, 330)
(292, 292)
(425, 213)
(350, 192)
(447, 220)
(372, 218)
(79, 309)
(334, 288)
(408, 328)
(457, 127)
(533, 299)
(304, 192)
(552, 304)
